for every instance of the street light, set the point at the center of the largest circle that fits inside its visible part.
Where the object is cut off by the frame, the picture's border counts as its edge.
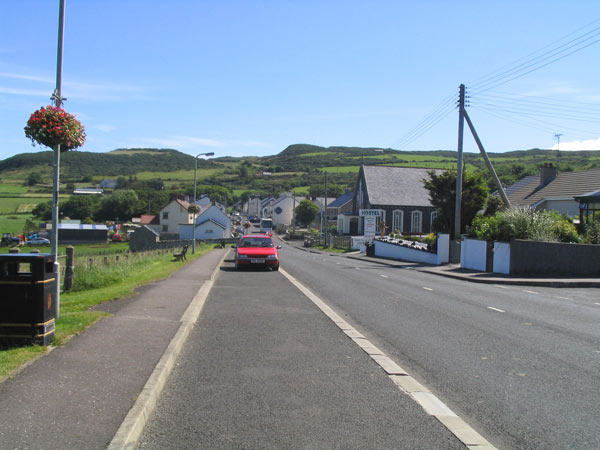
(195, 170)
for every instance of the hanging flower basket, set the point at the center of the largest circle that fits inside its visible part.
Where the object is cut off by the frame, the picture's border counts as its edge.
(52, 126)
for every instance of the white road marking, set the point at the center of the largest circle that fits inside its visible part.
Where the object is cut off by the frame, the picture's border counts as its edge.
(496, 309)
(428, 401)
(596, 303)
(383, 276)
(427, 289)
(566, 298)
(530, 292)
(501, 287)
(357, 268)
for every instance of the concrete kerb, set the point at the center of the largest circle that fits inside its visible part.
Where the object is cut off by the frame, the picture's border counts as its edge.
(133, 425)
(483, 277)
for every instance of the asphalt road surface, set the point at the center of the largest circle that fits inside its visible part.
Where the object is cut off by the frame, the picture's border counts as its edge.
(265, 369)
(522, 365)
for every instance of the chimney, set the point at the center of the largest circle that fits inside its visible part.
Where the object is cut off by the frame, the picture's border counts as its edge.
(547, 173)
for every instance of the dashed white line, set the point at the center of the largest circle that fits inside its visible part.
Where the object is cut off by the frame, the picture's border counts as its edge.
(427, 289)
(596, 303)
(530, 292)
(566, 298)
(383, 276)
(496, 309)
(501, 287)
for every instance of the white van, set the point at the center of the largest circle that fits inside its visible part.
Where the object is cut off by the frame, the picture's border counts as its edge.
(266, 225)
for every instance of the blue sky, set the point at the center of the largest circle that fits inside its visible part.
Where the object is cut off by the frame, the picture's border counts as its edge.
(250, 77)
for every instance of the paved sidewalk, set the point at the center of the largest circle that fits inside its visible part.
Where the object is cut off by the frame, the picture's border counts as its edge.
(77, 396)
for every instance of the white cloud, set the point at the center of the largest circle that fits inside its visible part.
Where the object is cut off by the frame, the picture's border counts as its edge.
(105, 128)
(589, 144)
(27, 92)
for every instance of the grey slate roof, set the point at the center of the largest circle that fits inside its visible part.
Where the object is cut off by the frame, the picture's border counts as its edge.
(564, 185)
(387, 185)
(341, 200)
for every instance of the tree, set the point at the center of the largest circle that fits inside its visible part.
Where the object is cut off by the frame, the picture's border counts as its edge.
(34, 178)
(306, 212)
(121, 204)
(318, 190)
(442, 194)
(81, 206)
(43, 211)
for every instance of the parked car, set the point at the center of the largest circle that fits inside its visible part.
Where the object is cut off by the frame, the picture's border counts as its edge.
(257, 250)
(117, 237)
(38, 241)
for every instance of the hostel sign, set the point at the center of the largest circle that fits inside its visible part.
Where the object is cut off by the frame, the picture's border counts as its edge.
(369, 212)
(370, 222)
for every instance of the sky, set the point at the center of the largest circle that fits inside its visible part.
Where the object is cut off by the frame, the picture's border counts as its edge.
(250, 77)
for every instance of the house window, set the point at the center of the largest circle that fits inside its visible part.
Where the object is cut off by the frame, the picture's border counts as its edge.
(165, 228)
(433, 217)
(165, 216)
(398, 221)
(416, 222)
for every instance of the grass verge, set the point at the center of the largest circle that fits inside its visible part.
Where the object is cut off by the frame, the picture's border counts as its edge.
(75, 313)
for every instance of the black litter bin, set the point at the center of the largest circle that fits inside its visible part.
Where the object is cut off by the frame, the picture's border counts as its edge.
(370, 249)
(27, 298)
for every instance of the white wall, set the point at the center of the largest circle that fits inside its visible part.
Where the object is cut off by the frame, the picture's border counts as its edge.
(473, 254)
(393, 251)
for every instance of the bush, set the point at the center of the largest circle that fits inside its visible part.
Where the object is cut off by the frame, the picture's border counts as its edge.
(524, 224)
(592, 233)
(431, 240)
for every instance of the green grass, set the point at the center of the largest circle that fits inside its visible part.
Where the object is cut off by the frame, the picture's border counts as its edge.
(341, 169)
(75, 313)
(13, 189)
(10, 205)
(13, 223)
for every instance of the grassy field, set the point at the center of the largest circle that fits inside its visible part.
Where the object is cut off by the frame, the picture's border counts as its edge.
(10, 205)
(13, 223)
(75, 313)
(340, 169)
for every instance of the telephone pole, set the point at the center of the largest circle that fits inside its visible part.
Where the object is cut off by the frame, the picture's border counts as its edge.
(459, 162)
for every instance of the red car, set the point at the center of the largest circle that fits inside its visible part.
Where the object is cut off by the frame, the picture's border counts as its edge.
(257, 250)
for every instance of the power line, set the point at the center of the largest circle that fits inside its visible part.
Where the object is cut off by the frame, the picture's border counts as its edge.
(535, 63)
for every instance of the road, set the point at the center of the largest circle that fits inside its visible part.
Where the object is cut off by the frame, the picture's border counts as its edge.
(521, 365)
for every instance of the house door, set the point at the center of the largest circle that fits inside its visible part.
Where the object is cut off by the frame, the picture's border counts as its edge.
(353, 227)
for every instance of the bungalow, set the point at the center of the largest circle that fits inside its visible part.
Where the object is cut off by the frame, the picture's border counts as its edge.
(398, 192)
(554, 191)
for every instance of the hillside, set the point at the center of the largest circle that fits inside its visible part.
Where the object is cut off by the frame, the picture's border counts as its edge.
(296, 167)
(121, 162)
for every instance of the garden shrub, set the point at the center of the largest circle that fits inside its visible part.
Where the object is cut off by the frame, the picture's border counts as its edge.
(524, 224)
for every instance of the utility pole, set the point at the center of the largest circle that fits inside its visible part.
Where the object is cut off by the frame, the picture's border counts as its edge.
(58, 101)
(557, 136)
(326, 224)
(459, 162)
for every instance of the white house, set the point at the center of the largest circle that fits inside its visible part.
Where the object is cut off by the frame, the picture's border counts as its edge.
(282, 209)
(211, 223)
(173, 215)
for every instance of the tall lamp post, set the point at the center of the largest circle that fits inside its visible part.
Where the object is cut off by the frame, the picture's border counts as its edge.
(195, 170)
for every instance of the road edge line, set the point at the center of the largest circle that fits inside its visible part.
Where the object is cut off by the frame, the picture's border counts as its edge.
(132, 427)
(430, 403)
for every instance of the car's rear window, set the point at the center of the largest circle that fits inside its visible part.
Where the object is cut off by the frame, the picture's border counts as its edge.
(257, 242)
